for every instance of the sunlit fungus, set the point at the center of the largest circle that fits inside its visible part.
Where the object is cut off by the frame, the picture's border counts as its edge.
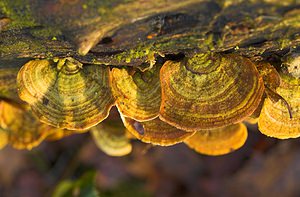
(111, 139)
(156, 132)
(209, 90)
(23, 130)
(66, 94)
(280, 118)
(137, 94)
(218, 141)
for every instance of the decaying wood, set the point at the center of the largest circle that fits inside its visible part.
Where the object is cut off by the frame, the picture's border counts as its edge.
(122, 32)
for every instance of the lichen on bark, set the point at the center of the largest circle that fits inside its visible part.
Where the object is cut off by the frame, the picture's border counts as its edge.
(123, 32)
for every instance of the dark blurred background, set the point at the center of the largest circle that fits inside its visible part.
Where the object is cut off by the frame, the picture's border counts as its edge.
(262, 167)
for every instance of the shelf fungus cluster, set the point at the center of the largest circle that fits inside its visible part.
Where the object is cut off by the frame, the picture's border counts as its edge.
(201, 100)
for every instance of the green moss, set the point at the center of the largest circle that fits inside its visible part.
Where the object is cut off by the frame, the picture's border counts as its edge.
(47, 32)
(209, 42)
(140, 52)
(147, 51)
(49, 55)
(19, 11)
(181, 43)
(14, 47)
(284, 42)
(21, 46)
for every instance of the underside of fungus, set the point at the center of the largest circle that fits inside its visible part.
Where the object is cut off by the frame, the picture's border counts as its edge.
(218, 141)
(66, 94)
(137, 94)
(156, 132)
(111, 139)
(209, 91)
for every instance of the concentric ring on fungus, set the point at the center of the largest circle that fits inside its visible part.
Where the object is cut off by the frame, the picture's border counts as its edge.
(156, 132)
(275, 119)
(111, 139)
(209, 91)
(219, 141)
(66, 94)
(138, 95)
(23, 130)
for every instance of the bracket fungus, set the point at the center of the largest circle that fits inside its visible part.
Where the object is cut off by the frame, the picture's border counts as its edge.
(156, 132)
(66, 94)
(281, 118)
(23, 130)
(171, 76)
(111, 139)
(138, 95)
(209, 91)
(218, 141)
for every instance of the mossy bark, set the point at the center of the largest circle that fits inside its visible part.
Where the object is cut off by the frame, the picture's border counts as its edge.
(127, 32)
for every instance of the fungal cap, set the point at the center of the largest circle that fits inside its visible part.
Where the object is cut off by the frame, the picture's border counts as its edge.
(275, 119)
(66, 94)
(111, 139)
(156, 132)
(138, 95)
(209, 91)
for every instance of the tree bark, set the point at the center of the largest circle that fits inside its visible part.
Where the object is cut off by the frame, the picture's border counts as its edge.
(131, 33)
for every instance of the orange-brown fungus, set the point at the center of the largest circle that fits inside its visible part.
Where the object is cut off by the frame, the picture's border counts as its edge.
(23, 130)
(281, 118)
(219, 141)
(66, 94)
(138, 95)
(156, 132)
(209, 91)
(111, 138)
